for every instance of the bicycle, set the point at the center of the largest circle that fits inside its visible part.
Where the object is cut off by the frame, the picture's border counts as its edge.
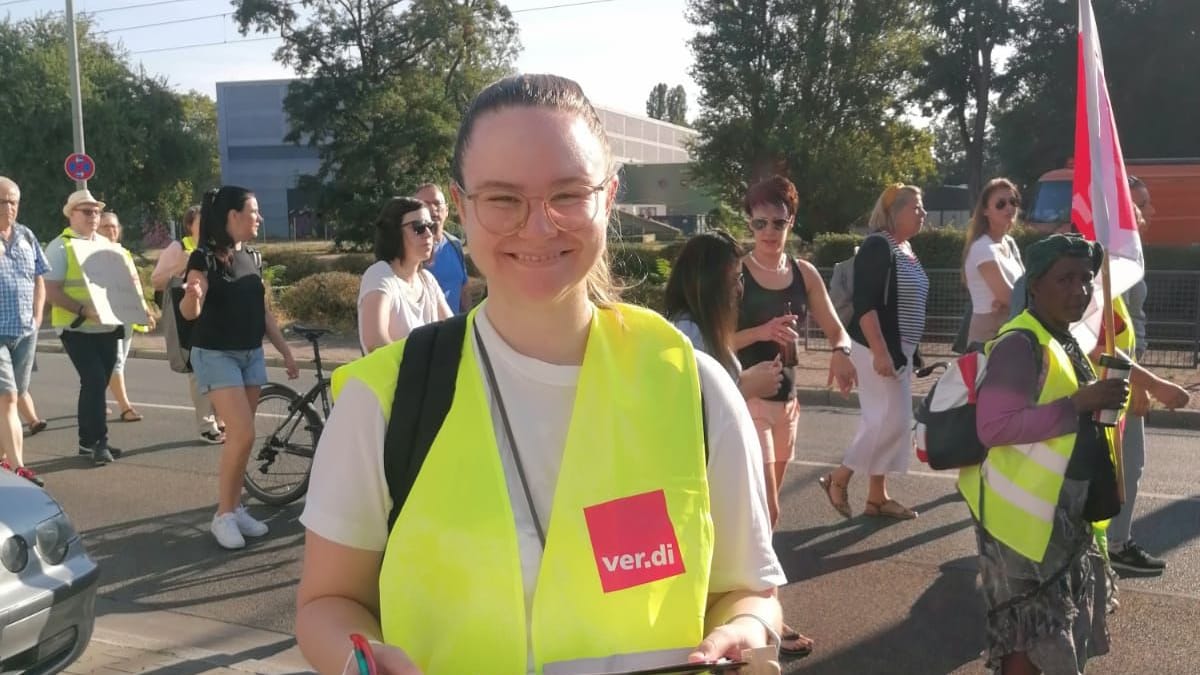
(287, 427)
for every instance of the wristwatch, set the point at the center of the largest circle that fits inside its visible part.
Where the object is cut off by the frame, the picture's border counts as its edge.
(845, 349)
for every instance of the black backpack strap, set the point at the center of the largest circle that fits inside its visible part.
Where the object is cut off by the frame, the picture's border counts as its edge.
(424, 391)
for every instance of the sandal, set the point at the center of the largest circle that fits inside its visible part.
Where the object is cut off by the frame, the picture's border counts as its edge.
(130, 415)
(802, 648)
(828, 486)
(889, 509)
(37, 427)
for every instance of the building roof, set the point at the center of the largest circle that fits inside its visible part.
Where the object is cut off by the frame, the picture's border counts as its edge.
(666, 184)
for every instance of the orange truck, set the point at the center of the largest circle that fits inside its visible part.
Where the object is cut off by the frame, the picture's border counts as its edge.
(1174, 186)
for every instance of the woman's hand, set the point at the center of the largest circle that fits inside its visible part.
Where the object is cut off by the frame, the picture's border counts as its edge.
(1102, 395)
(762, 379)
(841, 370)
(1169, 394)
(392, 661)
(192, 289)
(781, 329)
(289, 363)
(881, 361)
(729, 640)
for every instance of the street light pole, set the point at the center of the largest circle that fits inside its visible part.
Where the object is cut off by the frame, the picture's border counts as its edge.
(76, 96)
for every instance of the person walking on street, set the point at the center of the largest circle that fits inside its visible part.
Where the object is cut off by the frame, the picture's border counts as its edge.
(110, 229)
(28, 410)
(225, 296)
(573, 445)
(91, 345)
(169, 270)
(1123, 552)
(22, 296)
(778, 293)
(396, 294)
(448, 262)
(991, 259)
(890, 293)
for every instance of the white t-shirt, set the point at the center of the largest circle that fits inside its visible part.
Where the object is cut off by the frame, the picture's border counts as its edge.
(985, 250)
(348, 500)
(404, 314)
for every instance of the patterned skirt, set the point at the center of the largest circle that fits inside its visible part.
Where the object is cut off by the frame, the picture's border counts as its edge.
(1055, 610)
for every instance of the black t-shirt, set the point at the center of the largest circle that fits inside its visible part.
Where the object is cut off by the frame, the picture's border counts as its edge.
(234, 316)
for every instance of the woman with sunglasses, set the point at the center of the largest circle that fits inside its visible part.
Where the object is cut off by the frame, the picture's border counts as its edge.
(778, 292)
(396, 295)
(991, 259)
(577, 510)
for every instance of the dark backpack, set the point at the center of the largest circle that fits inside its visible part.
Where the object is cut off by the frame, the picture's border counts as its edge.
(425, 388)
(945, 435)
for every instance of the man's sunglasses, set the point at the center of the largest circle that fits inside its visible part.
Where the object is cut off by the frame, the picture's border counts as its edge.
(1003, 203)
(420, 227)
(780, 224)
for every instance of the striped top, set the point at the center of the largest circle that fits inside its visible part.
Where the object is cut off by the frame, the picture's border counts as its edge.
(912, 292)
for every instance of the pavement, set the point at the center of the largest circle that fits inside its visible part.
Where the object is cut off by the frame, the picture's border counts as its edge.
(877, 597)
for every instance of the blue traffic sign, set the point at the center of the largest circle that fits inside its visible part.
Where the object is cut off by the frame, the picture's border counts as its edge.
(79, 166)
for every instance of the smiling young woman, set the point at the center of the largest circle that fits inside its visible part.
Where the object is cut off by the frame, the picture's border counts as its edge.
(573, 461)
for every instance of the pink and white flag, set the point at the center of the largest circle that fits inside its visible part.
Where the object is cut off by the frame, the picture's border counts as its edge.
(1101, 205)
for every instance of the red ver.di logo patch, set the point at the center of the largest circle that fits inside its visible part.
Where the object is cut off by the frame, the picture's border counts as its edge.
(633, 541)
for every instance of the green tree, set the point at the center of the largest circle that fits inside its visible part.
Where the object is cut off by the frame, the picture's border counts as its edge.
(1150, 52)
(812, 89)
(959, 71)
(155, 150)
(656, 103)
(677, 107)
(383, 88)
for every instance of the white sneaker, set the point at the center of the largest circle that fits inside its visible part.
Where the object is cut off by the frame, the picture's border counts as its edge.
(225, 529)
(248, 525)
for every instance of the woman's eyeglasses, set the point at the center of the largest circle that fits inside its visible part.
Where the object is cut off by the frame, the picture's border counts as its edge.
(420, 227)
(1003, 203)
(780, 224)
(505, 212)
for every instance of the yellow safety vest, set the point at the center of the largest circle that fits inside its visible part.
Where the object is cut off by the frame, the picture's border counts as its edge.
(74, 286)
(188, 244)
(1125, 341)
(629, 544)
(1021, 483)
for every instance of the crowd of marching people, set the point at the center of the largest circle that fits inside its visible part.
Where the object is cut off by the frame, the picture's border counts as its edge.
(513, 431)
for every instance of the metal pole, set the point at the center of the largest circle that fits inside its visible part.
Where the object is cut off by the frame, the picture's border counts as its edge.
(76, 96)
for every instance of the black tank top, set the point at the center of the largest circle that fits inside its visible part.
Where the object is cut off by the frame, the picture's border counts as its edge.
(759, 305)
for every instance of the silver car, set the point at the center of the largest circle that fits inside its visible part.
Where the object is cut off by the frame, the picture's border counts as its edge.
(47, 582)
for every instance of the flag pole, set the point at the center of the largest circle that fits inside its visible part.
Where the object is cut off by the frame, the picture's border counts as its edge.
(1110, 331)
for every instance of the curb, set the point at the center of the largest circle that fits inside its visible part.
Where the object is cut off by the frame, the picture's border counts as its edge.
(825, 398)
(1160, 419)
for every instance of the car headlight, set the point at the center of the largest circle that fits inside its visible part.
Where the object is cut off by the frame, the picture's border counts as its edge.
(14, 554)
(54, 537)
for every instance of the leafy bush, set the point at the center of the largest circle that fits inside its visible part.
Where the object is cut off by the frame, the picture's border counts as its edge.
(937, 248)
(646, 294)
(633, 264)
(354, 263)
(297, 265)
(329, 299)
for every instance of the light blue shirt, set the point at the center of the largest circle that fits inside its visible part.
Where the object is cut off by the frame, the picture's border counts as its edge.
(21, 264)
(450, 270)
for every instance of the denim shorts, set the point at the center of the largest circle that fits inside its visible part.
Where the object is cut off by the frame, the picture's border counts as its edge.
(16, 363)
(221, 369)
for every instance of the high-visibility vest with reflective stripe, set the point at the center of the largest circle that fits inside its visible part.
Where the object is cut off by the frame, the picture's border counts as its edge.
(74, 285)
(450, 588)
(1021, 483)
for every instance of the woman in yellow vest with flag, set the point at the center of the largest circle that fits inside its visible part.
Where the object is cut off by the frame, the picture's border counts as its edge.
(575, 511)
(1048, 476)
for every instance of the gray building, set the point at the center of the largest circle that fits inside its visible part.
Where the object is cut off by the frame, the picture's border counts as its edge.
(251, 125)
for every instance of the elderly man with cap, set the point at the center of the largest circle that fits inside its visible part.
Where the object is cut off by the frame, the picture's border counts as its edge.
(91, 345)
(22, 296)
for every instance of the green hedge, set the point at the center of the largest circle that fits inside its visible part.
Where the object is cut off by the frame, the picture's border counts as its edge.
(326, 299)
(942, 249)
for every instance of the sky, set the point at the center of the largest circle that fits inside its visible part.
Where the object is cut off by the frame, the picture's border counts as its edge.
(616, 49)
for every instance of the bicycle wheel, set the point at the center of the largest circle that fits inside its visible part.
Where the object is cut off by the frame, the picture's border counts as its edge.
(285, 439)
